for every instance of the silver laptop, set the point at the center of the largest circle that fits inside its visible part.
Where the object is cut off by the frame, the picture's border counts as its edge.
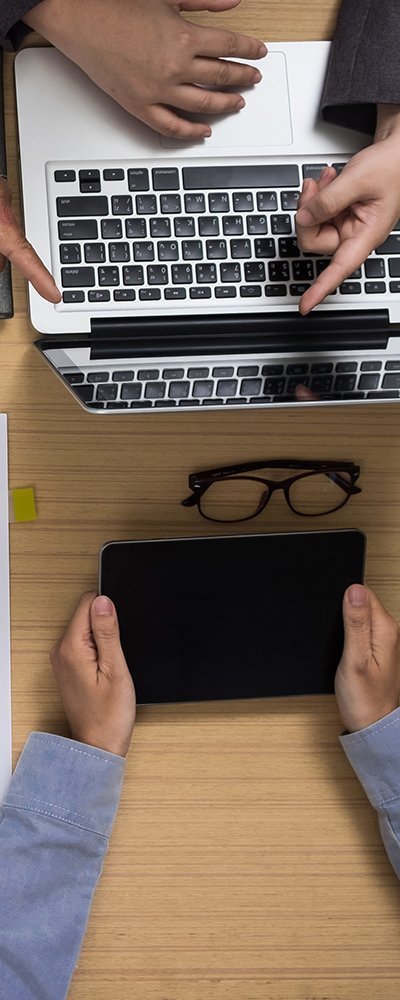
(178, 261)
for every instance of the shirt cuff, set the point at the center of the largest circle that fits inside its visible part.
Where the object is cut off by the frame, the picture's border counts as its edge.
(68, 781)
(12, 30)
(374, 753)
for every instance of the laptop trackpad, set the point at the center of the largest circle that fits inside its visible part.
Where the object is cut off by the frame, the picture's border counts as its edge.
(265, 121)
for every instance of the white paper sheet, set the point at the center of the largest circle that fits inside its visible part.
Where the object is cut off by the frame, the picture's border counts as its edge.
(5, 657)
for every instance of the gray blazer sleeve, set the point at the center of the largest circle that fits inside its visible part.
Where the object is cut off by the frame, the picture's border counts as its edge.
(364, 68)
(12, 30)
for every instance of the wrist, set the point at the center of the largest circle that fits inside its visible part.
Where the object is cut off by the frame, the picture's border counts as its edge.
(387, 121)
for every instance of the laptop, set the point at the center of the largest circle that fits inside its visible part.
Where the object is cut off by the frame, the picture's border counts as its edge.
(178, 261)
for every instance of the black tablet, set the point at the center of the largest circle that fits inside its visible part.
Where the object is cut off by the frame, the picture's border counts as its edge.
(243, 616)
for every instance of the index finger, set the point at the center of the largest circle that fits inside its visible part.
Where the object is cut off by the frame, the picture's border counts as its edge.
(218, 42)
(352, 252)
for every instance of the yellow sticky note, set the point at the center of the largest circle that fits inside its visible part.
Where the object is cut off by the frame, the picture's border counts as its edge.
(24, 505)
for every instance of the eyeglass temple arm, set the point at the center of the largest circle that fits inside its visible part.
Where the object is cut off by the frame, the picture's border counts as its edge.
(336, 477)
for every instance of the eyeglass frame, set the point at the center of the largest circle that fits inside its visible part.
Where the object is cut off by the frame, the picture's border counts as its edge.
(200, 482)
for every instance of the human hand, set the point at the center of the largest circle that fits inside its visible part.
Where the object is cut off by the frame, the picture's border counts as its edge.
(15, 247)
(150, 59)
(367, 683)
(350, 215)
(95, 684)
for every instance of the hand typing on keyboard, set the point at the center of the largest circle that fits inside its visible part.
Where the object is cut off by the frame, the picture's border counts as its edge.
(351, 215)
(15, 247)
(150, 59)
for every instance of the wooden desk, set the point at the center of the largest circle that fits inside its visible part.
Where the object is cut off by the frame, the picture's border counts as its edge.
(245, 862)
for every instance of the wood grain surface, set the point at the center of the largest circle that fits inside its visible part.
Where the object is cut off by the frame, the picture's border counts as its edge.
(245, 862)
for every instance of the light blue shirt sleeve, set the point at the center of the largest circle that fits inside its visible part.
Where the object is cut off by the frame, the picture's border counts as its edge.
(374, 753)
(54, 828)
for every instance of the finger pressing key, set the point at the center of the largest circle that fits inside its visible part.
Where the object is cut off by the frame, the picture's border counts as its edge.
(15, 247)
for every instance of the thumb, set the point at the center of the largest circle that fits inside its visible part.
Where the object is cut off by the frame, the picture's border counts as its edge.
(357, 623)
(328, 203)
(105, 628)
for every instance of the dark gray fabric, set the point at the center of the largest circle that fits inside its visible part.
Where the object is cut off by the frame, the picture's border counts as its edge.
(364, 67)
(12, 30)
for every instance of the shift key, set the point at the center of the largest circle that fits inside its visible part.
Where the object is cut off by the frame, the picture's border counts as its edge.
(77, 277)
(89, 205)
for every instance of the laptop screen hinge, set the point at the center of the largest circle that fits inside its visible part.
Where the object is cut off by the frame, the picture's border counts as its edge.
(240, 332)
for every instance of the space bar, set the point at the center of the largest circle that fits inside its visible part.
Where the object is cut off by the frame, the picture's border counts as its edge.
(243, 175)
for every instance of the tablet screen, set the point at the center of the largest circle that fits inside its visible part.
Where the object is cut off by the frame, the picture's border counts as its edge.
(244, 616)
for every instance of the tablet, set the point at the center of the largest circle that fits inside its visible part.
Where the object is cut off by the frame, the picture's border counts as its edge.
(242, 616)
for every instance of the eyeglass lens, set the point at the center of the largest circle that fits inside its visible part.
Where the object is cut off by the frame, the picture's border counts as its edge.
(241, 497)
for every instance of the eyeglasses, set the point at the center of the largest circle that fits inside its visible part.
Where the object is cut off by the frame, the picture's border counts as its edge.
(232, 495)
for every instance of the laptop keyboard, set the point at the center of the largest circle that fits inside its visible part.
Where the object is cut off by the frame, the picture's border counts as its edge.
(124, 234)
(122, 386)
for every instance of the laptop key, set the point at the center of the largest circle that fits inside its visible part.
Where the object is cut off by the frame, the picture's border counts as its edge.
(303, 270)
(227, 387)
(198, 372)
(182, 274)
(274, 386)
(288, 247)
(74, 378)
(350, 288)
(124, 294)
(216, 249)
(146, 374)
(265, 248)
(82, 206)
(254, 271)
(157, 274)
(206, 273)
(140, 406)
(247, 371)
(250, 386)
(171, 204)
(85, 392)
(275, 290)
(143, 250)
(95, 253)
(394, 286)
(374, 267)
(281, 224)
(313, 170)
(202, 390)
(229, 292)
(272, 370)
(118, 252)
(297, 380)
(391, 245)
(232, 225)
(246, 175)
(165, 179)
(111, 229)
(189, 402)
(220, 372)
(108, 275)
(298, 289)
(250, 291)
(243, 201)
(267, 201)
(394, 267)
(195, 203)
(372, 382)
(121, 204)
(146, 204)
(131, 391)
(78, 229)
(192, 250)
(70, 253)
(179, 390)
(124, 376)
(135, 229)
(371, 366)
(289, 200)
(98, 377)
(133, 275)
(72, 296)
(299, 369)
(174, 293)
(138, 179)
(168, 250)
(208, 226)
(374, 287)
(322, 368)
(345, 383)
(392, 394)
(200, 293)
(230, 272)
(392, 366)
(99, 295)
(107, 392)
(77, 277)
(173, 373)
(149, 294)
(185, 226)
(160, 228)
(389, 382)
(218, 202)
(62, 176)
(240, 249)
(278, 270)
(165, 402)
(346, 366)
(321, 383)
(256, 225)
(113, 174)
(155, 390)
